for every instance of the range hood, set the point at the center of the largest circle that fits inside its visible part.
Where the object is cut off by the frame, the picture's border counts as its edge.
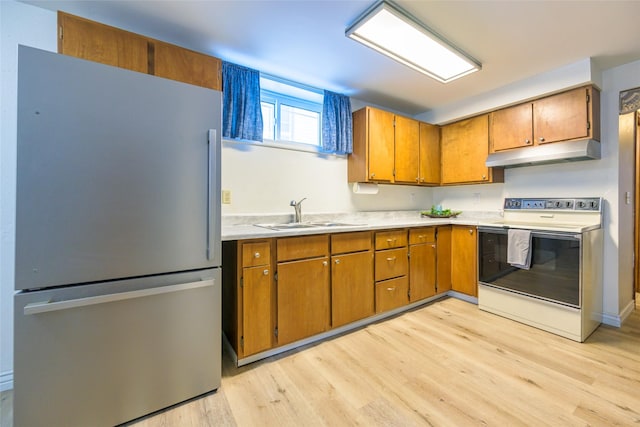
(555, 152)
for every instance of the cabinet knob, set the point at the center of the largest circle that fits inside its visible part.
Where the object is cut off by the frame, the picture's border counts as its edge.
(417, 179)
(471, 231)
(433, 246)
(421, 179)
(373, 175)
(541, 139)
(527, 141)
(325, 263)
(484, 176)
(337, 261)
(256, 255)
(265, 272)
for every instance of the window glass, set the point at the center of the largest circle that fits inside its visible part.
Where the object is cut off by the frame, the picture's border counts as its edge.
(291, 113)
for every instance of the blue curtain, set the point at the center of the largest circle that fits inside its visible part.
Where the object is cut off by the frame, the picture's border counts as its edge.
(336, 123)
(241, 113)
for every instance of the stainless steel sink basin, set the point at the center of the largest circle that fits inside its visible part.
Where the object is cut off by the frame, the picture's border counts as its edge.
(286, 226)
(296, 225)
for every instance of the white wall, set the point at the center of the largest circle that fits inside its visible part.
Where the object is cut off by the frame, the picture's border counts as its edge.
(27, 25)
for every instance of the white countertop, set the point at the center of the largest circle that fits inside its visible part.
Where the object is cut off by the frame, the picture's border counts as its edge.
(241, 227)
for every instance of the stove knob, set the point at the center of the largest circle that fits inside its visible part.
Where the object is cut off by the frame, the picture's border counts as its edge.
(594, 204)
(582, 205)
(556, 204)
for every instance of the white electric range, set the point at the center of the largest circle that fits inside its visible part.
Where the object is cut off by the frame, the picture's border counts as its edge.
(561, 290)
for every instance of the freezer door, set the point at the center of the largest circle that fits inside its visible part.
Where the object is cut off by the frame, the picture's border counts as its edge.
(101, 355)
(117, 173)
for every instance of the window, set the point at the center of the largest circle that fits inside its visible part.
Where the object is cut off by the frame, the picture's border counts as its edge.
(290, 113)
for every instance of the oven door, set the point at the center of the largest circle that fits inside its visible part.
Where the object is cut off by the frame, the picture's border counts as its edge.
(555, 269)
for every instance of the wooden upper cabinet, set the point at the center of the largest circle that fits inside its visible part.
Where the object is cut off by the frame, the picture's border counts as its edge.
(567, 116)
(112, 46)
(465, 146)
(184, 65)
(511, 127)
(407, 150)
(372, 159)
(389, 148)
(429, 154)
(97, 42)
(417, 152)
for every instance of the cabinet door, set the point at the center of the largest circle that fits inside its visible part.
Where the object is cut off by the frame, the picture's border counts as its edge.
(257, 325)
(184, 65)
(429, 154)
(465, 146)
(407, 150)
(352, 289)
(512, 127)
(443, 259)
(561, 117)
(303, 299)
(464, 260)
(381, 145)
(422, 271)
(97, 42)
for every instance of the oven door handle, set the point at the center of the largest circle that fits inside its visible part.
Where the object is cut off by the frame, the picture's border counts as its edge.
(534, 233)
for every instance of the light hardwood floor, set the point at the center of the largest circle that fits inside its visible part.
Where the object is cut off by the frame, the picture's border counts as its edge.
(445, 364)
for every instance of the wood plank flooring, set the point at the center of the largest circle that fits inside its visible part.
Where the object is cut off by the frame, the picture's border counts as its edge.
(444, 364)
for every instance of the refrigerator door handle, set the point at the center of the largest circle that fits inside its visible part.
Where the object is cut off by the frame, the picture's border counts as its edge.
(213, 196)
(48, 306)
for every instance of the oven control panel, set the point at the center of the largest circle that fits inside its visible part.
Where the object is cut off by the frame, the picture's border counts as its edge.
(593, 204)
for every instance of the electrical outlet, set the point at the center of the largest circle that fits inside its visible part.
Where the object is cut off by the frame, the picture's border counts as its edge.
(226, 197)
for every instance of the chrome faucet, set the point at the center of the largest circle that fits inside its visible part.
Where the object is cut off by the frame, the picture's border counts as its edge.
(298, 207)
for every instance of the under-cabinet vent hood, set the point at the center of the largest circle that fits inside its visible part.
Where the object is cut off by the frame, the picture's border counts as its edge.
(556, 152)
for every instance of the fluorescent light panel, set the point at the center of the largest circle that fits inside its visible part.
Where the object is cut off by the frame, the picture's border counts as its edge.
(394, 33)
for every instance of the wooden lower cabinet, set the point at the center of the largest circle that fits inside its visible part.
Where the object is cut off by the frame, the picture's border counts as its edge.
(464, 271)
(257, 322)
(277, 291)
(391, 293)
(303, 299)
(443, 259)
(422, 263)
(248, 295)
(352, 291)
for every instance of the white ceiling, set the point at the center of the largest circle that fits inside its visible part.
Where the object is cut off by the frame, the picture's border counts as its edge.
(303, 40)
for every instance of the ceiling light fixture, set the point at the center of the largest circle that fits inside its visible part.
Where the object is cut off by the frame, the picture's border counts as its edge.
(395, 33)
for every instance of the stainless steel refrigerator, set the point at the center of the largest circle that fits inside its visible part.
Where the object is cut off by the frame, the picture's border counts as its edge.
(118, 254)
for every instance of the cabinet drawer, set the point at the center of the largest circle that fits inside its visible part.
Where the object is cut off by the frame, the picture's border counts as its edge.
(392, 294)
(351, 242)
(391, 239)
(256, 253)
(292, 248)
(391, 263)
(422, 235)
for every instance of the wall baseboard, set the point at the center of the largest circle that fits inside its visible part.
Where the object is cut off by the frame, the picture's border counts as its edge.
(6, 381)
(617, 321)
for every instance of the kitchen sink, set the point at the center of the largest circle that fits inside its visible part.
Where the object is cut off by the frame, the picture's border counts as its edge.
(297, 225)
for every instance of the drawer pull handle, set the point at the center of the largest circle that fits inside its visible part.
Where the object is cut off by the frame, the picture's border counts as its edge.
(391, 258)
(391, 289)
(256, 255)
